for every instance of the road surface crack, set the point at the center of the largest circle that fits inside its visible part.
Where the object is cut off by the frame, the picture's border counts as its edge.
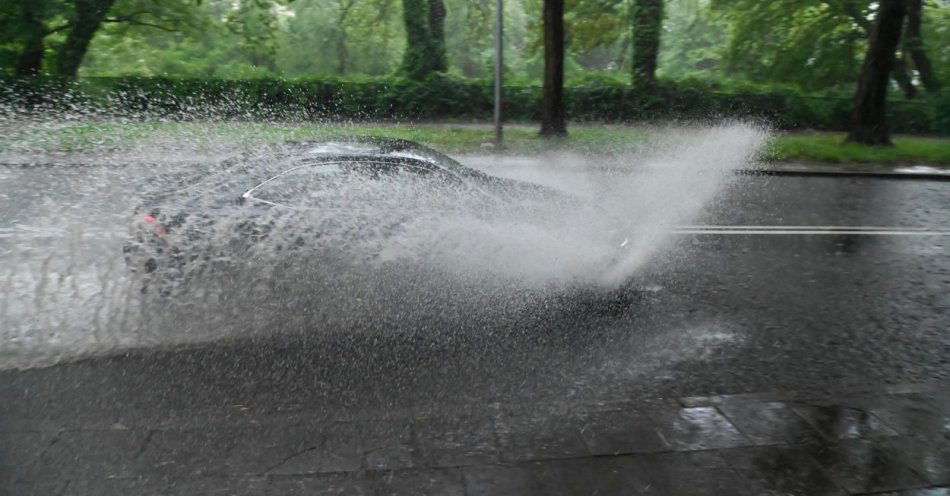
(288, 458)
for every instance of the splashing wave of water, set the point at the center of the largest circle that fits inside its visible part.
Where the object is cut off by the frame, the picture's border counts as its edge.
(67, 291)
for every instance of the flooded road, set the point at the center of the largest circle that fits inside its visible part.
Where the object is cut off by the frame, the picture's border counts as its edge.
(862, 279)
(790, 287)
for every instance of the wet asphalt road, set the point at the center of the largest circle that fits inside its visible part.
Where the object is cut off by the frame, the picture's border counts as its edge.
(513, 394)
(714, 314)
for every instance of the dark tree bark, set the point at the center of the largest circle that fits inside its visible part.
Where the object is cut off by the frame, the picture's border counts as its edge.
(552, 97)
(30, 60)
(914, 44)
(902, 77)
(868, 123)
(901, 72)
(437, 32)
(86, 20)
(647, 25)
(423, 56)
(342, 52)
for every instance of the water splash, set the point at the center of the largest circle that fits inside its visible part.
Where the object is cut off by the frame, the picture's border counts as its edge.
(68, 293)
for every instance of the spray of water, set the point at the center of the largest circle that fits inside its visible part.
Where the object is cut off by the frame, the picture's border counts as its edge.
(388, 254)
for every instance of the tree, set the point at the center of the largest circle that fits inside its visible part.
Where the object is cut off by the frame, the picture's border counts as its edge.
(366, 37)
(813, 44)
(255, 24)
(343, 13)
(32, 32)
(552, 96)
(87, 17)
(437, 32)
(424, 54)
(33, 21)
(647, 25)
(914, 44)
(868, 123)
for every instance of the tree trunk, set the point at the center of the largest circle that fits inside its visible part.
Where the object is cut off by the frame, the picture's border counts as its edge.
(30, 60)
(86, 20)
(423, 56)
(902, 77)
(552, 98)
(647, 25)
(342, 53)
(868, 124)
(437, 32)
(914, 44)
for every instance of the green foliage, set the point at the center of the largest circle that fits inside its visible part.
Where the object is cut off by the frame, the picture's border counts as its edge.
(254, 22)
(293, 39)
(941, 109)
(936, 37)
(812, 43)
(794, 62)
(441, 97)
(693, 40)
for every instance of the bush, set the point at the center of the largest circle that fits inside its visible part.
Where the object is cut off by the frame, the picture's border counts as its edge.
(442, 97)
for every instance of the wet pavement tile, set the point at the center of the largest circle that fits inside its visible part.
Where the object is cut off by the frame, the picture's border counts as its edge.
(764, 397)
(621, 432)
(697, 428)
(387, 445)
(420, 482)
(454, 441)
(865, 466)
(811, 397)
(914, 416)
(785, 470)
(770, 423)
(907, 414)
(836, 422)
(928, 457)
(78, 454)
(919, 414)
(690, 473)
(539, 437)
(582, 476)
(927, 491)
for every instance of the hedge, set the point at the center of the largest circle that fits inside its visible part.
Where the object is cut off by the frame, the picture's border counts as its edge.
(441, 97)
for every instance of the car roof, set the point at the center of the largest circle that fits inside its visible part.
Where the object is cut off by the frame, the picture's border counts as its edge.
(374, 146)
(250, 169)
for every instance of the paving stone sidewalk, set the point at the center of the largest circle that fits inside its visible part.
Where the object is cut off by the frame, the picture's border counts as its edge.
(893, 441)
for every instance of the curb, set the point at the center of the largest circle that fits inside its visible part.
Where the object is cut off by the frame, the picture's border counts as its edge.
(907, 171)
(822, 172)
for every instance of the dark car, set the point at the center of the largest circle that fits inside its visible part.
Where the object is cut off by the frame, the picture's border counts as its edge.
(310, 193)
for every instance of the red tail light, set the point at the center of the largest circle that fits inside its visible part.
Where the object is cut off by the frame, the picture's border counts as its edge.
(159, 229)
